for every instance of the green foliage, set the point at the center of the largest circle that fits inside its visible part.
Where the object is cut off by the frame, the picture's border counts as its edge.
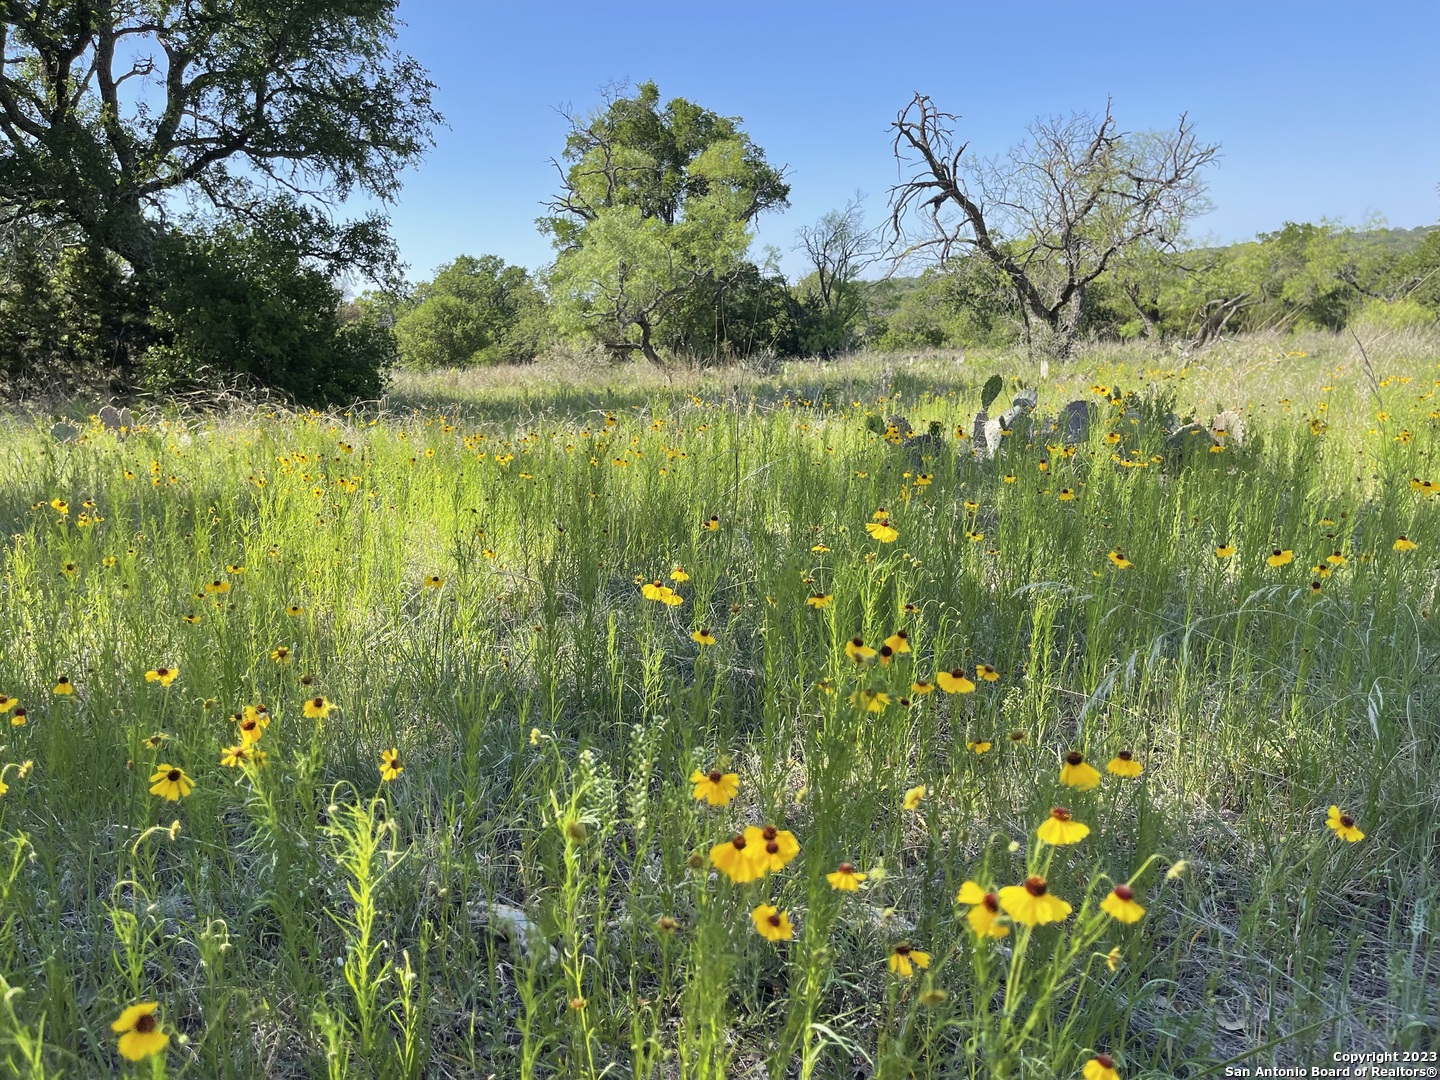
(474, 311)
(307, 99)
(67, 314)
(247, 302)
(748, 311)
(656, 203)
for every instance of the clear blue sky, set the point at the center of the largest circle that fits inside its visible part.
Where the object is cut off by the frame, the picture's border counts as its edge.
(1322, 109)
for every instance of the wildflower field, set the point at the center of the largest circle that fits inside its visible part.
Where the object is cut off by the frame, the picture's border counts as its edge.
(619, 728)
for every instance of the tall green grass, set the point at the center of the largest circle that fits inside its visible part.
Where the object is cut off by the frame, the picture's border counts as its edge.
(533, 895)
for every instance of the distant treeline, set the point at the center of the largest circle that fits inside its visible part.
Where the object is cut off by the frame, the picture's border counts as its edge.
(188, 237)
(481, 311)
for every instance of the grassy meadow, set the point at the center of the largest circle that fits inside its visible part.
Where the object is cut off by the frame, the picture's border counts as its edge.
(558, 595)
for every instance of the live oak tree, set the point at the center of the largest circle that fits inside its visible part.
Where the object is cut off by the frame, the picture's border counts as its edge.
(112, 111)
(655, 203)
(1051, 215)
(170, 133)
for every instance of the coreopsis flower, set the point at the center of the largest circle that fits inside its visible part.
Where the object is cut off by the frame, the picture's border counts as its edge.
(913, 797)
(679, 575)
(771, 923)
(294, 611)
(281, 654)
(921, 687)
(714, 787)
(1120, 561)
(986, 672)
(882, 531)
(1120, 904)
(1066, 495)
(1335, 558)
(771, 848)
(858, 651)
(1032, 904)
(63, 686)
(1224, 551)
(318, 708)
(1112, 958)
(1403, 543)
(1100, 1067)
(979, 746)
(163, 675)
(1061, 828)
(7, 702)
(712, 524)
(170, 782)
(1124, 764)
(69, 569)
(734, 860)
(1077, 773)
(899, 642)
(434, 581)
(390, 766)
(984, 914)
(820, 600)
(702, 636)
(955, 681)
(232, 757)
(1280, 557)
(139, 1031)
(845, 878)
(217, 587)
(904, 959)
(872, 700)
(19, 719)
(1343, 825)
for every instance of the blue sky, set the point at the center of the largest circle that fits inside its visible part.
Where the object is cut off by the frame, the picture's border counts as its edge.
(1321, 109)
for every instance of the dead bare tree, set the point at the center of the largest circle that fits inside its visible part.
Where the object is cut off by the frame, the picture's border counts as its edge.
(839, 247)
(1051, 214)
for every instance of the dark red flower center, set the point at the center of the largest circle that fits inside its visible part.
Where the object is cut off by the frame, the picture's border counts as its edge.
(991, 902)
(1060, 814)
(173, 776)
(1275, 552)
(957, 673)
(903, 949)
(1074, 758)
(1035, 886)
(774, 920)
(162, 672)
(902, 635)
(145, 1024)
(319, 703)
(1105, 1061)
(1124, 892)
(847, 868)
(1125, 755)
(739, 843)
(714, 776)
(1347, 821)
(858, 642)
(886, 651)
(772, 847)
(770, 832)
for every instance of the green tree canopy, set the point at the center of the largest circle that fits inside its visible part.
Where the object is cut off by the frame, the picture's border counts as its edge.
(110, 111)
(655, 203)
(474, 311)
